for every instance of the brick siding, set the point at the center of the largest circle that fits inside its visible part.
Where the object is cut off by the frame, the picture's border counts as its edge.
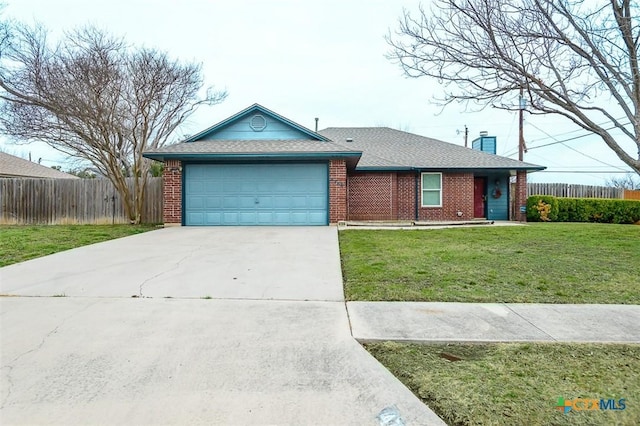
(457, 196)
(371, 196)
(172, 192)
(521, 195)
(337, 191)
(392, 196)
(407, 196)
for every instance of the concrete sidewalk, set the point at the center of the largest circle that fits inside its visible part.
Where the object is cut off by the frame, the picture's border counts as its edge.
(493, 322)
(85, 360)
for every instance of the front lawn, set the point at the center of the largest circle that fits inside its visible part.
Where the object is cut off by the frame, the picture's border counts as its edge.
(541, 263)
(20, 243)
(519, 384)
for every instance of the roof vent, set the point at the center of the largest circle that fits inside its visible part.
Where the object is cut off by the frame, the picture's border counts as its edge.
(258, 123)
(349, 139)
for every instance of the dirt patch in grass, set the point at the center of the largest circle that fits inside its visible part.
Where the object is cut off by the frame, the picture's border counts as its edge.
(542, 263)
(518, 384)
(20, 243)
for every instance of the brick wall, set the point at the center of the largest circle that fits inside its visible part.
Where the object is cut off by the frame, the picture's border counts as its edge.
(392, 196)
(521, 195)
(371, 196)
(457, 195)
(172, 192)
(337, 191)
(406, 196)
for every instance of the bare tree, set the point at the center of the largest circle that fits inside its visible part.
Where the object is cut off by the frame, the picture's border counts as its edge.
(574, 58)
(91, 96)
(628, 181)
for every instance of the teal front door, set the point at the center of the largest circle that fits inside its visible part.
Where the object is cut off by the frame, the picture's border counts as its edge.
(256, 194)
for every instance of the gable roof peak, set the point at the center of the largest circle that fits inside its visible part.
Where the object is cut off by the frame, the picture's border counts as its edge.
(263, 110)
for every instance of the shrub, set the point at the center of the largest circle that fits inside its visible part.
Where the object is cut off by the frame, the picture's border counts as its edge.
(545, 208)
(542, 208)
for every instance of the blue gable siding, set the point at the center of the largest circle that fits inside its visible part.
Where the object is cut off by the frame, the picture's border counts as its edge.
(498, 208)
(241, 130)
(256, 123)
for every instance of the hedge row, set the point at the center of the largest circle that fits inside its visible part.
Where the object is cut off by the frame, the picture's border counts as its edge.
(546, 208)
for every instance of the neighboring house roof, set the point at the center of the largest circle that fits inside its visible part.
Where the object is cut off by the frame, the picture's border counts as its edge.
(385, 148)
(16, 167)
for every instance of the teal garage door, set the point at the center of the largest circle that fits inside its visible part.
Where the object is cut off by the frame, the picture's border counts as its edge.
(256, 194)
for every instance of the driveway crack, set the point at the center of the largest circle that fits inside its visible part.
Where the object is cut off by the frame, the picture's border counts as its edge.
(172, 268)
(12, 363)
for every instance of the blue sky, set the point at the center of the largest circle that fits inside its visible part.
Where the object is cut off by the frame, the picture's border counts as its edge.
(307, 59)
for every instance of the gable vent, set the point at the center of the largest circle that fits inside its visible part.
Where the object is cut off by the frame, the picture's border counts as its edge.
(258, 123)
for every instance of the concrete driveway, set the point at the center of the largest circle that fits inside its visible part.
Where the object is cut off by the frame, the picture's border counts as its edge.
(272, 346)
(287, 263)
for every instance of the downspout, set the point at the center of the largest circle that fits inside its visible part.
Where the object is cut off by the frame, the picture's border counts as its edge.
(417, 197)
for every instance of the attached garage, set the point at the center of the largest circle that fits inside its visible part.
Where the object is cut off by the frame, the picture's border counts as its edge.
(255, 168)
(256, 194)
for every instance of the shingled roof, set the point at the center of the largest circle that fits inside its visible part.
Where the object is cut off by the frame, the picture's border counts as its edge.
(251, 146)
(16, 167)
(292, 149)
(371, 148)
(385, 148)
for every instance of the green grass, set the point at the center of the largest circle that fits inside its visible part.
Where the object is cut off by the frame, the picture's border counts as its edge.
(517, 384)
(20, 243)
(542, 263)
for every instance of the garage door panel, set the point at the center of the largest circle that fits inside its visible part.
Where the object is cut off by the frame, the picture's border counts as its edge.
(195, 217)
(213, 218)
(247, 218)
(265, 202)
(281, 218)
(213, 202)
(242, 202)
(281, 202)
(265, 194)
(195, 203)
(316, 202)
(299, 217)
(299, 202)
(230, 218)
(239, 187)
(316, 217)
(265, 218)
(196, 186)
(316, 186)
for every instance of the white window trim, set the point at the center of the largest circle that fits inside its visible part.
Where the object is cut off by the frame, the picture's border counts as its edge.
(422, 204)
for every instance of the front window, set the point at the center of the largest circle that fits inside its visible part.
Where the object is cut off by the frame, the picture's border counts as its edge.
(431, 189)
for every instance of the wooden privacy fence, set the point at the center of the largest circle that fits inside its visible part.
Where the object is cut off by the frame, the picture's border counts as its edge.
(70, 201)
(574, 191)
(630, 194)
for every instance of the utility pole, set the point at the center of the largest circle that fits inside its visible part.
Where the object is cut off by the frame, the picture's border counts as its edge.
(466, 135)
(521, 146)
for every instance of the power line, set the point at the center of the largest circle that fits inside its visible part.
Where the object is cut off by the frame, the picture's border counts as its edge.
(556, 141)
(585, 171)
(577, 130)
(573, 149)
